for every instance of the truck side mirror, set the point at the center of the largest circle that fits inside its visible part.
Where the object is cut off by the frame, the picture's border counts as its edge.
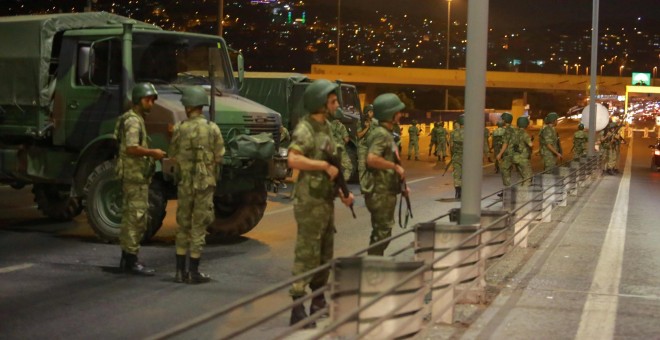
(241, 69)
(85, 62)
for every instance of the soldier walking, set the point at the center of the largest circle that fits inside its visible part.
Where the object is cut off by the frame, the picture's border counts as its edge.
(384, 173)
(314, 194)
(456, 149)
(580, 139)
(498, 135)
(135, 167)
(434, 140)
(505, 156)
(521, 143)
(441, 135)
(197, 147)
(413, 142)
(550, 143)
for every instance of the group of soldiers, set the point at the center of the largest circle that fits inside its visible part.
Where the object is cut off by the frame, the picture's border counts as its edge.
(197, 148)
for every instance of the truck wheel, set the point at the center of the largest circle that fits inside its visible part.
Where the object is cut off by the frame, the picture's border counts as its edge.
(54, 201)
(353, 155)
(237, 215)
(104, 203)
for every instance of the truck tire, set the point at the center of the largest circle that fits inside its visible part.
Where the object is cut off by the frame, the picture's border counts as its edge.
(54, 201)
(238, 215)
(104, 203)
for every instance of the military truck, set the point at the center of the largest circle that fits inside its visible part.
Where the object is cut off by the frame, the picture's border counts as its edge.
(283, 92)
(64, 81)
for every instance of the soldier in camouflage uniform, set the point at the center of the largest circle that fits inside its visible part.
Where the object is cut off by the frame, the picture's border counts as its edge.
(505, 156)
(498, 135)
(608, 148)
(314, 193)
(340, 134)
(441, 137)
(135, 167)
(413, 141)
(285, 137)
(486, 145)
(197, 147)
(549, 140)
(396, 132)
(434, 139)
(580, 139)
(382, 181)
(456, 149)
(521, 143)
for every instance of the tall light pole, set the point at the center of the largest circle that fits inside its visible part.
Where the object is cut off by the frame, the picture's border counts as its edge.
(621, 71)
(577, 69)
(447, 60)
(601, 69)
(338, 28)
(221, 16)
(655, 71)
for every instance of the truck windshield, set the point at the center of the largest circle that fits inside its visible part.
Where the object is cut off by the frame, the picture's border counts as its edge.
(350, 100)
(178, 59)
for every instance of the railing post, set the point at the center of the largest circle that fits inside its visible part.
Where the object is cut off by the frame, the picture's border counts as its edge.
(563, 183)
(574, 177)
(543, 181)
(524, 215)
(367, 277)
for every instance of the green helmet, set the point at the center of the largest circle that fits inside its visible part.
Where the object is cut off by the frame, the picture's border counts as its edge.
(580, 126)
(194, 96)
(368, 108)
(461, 119)
(414, 121)
(316, 94)
(386, 105)
(551, 117)
(141, 90)
(500, 123)
(522, 122)
(507, 117)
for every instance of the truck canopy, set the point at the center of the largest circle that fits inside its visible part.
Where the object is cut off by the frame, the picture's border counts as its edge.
(28, 59)
(272, 89)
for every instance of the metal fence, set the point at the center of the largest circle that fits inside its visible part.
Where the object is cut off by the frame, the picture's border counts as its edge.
(390, 297)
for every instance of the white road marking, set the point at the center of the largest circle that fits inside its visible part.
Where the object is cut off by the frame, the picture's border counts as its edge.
(419, 180)
(599, 312)
(15, 268)
(279, 211)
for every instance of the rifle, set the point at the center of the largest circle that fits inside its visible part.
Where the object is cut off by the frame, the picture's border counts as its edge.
(340, 182)
(404, 193)
(446, 168)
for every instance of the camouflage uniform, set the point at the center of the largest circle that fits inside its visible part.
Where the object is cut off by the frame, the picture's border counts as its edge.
(441, 137)
(498, 135)
(135, 173)
(285, 137)
(457, 138)
(198, 147)
(380, 187)
(506, 163)
(434, 139)
(548, 135)
(396, 130)
(413, 143)
(520, 143)
(580, 139)
(486, 145)
(313, 205)
(340, 134)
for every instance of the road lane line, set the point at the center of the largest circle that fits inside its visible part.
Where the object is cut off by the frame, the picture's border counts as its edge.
(15, 268)
(599, 312)
(419, 180)
(278, 211)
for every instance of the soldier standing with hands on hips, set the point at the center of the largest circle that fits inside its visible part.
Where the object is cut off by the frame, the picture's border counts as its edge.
(384, 172)
(197, 147)
(314, 193)
(135, 167)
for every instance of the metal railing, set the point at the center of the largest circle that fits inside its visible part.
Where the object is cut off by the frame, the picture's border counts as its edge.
(523, 206)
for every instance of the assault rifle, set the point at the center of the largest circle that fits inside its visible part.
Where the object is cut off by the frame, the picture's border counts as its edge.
(404, 195)
(340, 182)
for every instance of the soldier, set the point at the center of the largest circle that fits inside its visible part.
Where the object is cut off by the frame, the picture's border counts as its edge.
(456, 149)
(340, 135)
(314, 193)
(521, 143)
(608, 148)
(413, 142)
(441, 137)
(396, 132)
(382, 182)
(135, 167)
(434, 140)
(285, 137)
(498, 135)
(486, 145)
(505, 156)
(550, 143)
(197, 147)
(580, 139)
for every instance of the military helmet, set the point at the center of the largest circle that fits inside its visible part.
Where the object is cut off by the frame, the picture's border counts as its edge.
(194, 96)
(316, 94)
(386, 106)
(507, 117)
(461, 120)
(522, 122)
(500, 123)
(368, 108)
(414, 121)
(141, 90)
(580, 126)
(551, 117)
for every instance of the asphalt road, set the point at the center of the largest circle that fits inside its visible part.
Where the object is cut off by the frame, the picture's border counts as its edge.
(58, 281)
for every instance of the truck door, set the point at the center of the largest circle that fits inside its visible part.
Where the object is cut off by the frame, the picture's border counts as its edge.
(88, 92)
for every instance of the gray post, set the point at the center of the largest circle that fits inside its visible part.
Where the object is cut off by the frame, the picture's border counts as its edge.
(475, 103)
(593, 69)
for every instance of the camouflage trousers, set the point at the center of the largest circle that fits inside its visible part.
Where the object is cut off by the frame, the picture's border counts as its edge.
(433, 147)
(457, 164)
(134, 214)
(346, 164)
(381, 206)
(524, 168)
(314, 243)
(486, 148)
(441, 150)
(413, 145)
(612, 155)
(506, 164)
(579, 152)
(194, 213)
(549, 159)
(496, 150)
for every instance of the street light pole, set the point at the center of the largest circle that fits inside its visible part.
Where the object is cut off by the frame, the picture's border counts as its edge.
(338, 28)
(601, 70)
(447, 60)
(621, 71)
(221, 16)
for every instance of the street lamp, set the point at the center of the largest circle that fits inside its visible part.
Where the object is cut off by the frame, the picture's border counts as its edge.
(566, 68)
(447, 59)
(621, 71)
(655, 71)
(577, 69)
(601, 69)
(586, 71)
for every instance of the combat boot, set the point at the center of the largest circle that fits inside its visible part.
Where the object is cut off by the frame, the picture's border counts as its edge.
(180, 275)
(318, 303)
(129, 264)
(298, 314)
(195, 276)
